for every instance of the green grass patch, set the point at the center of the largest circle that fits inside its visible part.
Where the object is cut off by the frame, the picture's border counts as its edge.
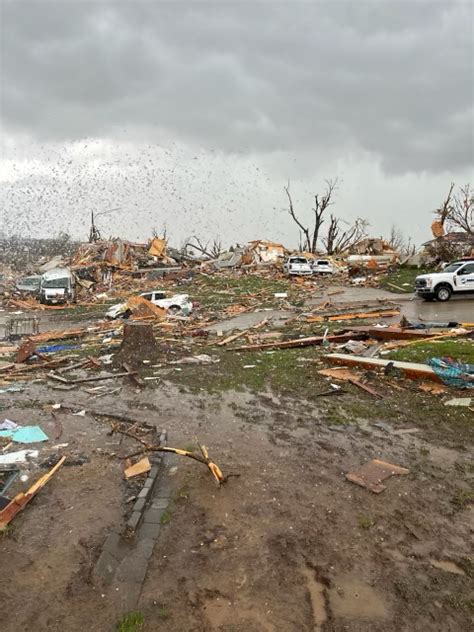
(457, 348)
(131, 622)
(404, 278)
(279, 370)
(218, 292)
(365, 522)
(462, 499)
(163, 613)
(165, 517)
(7, 531)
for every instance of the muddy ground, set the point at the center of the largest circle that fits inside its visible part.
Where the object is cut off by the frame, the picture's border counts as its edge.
(287, 544)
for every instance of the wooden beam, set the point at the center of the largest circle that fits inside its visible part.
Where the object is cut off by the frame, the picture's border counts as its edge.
(411, 370)
(18, 503)
(300, 342)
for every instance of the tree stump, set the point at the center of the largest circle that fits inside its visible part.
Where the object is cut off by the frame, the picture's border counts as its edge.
(138, 344)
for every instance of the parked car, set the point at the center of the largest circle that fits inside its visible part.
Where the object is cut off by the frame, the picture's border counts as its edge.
(29, 284)
(298, 266)
(456, 278)
(57, 286)
(176, 304)
(322, 266)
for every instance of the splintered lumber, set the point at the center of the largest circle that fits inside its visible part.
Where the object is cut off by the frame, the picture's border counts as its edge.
(96, 378)
(300, 342)
(18, 503)
(142, 467)
(346, 375)
(393, 333)
(406, 343)
(411, 370)
(77, 332)
(386, 313)
(226, 341)
(371, 474)
(397, 287)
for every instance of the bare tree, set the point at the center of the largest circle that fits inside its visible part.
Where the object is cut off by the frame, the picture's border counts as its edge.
(442, 213)
(409, 248)
(396, 239)
(338, 240)
(461, 214)
(311, 232)
(209, 249)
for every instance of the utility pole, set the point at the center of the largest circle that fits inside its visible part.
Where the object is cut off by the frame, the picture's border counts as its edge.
(94, 232)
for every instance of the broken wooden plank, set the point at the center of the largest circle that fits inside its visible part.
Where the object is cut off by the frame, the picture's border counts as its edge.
(347, 375)
(141, 467)
(133, 375)
(239, 334)
(97, 378)
(371, 474)
(406, 343)
(18, 503)
(393, 333)
(387, 313)
(300, 342)
(411, 370)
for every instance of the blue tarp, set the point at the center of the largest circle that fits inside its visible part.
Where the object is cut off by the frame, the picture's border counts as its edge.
(25, 434)
(453, 373)
(54, 348)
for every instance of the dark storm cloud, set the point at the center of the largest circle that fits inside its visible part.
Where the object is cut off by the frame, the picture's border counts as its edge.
(393, 79)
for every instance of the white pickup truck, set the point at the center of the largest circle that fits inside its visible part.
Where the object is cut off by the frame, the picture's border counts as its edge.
(456, 278)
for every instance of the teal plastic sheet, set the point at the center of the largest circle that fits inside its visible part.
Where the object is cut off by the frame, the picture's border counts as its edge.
(25, 434)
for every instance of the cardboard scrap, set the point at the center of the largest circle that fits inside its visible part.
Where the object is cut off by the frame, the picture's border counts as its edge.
(432, 387)
(141, 467)
(371, 474)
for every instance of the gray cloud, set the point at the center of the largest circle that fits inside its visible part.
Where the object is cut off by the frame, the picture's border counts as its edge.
(389, 78)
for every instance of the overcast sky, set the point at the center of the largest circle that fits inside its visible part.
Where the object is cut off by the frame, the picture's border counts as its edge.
(195, 115)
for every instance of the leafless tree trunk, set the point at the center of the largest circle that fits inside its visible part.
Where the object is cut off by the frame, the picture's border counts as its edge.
(211, 250)
(445, 209)
(321, 203)
(338, 240)
(396, 239)
(461, 214)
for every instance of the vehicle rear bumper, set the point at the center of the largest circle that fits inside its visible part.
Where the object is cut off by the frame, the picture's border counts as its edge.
(299, 273)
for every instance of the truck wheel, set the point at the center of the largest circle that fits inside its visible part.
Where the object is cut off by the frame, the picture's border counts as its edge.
(443, 293)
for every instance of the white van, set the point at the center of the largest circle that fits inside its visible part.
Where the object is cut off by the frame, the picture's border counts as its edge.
(57, 286)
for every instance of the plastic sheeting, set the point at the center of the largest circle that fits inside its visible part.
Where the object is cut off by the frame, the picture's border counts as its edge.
(453, 373)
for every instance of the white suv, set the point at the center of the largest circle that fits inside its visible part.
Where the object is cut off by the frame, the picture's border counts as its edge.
(457, 277)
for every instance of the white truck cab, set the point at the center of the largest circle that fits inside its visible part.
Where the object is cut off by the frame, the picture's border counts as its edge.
(57, 286)
(298, 266)
(456, 278)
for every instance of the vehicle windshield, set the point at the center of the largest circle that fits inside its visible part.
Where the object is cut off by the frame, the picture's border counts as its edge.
(322, 263)
(29, 281)
(56, 283)
(452, 267)
(298, 260)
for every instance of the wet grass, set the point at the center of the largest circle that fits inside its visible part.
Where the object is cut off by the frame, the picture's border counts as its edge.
(365, 522)
(459, 348)
(279, 370)
(131, 622)
(462, 499)
(166, 517)
(218, 292)
(401, 277)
